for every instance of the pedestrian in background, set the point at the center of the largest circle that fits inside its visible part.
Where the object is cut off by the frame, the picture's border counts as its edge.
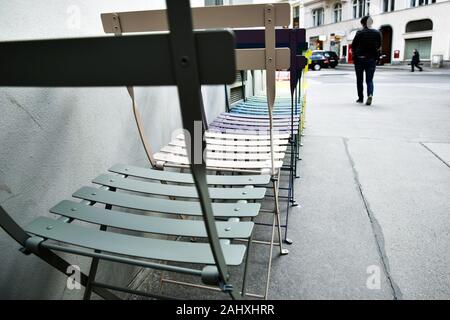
(366, 48)
(415, 61)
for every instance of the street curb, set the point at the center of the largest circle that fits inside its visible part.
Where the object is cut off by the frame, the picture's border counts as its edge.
(351, 66)
(399, 67)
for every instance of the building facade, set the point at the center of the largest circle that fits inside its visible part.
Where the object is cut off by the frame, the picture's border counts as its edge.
(405, 25)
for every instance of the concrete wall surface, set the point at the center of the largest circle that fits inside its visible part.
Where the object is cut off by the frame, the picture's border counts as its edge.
(53, 141)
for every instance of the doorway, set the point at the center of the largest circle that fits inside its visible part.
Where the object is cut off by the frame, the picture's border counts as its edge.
(386, 51)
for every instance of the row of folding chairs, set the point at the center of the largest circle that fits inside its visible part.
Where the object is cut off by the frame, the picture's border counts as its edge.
(252, 114)
(189, 223)
(238, 150)
(287, 123)
(247, 129)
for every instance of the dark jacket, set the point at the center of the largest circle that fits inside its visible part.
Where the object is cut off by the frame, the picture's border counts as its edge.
(367, 43)
(415, 58)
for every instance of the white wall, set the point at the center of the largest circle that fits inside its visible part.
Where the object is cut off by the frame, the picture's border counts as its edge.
(54, 141)
(439, 13)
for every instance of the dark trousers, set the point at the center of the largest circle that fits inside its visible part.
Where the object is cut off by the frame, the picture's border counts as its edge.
(415, 64)
(368, 66)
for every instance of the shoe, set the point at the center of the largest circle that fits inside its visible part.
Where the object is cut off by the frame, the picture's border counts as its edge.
(369, 101)
(360, 100)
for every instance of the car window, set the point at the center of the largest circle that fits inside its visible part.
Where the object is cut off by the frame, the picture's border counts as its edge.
(332, 54)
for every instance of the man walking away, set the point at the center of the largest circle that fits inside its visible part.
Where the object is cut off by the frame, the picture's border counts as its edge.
(366, 50)
(415, 61)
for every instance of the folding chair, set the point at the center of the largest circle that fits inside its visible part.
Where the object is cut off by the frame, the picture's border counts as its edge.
(268, 58)
(179, 58)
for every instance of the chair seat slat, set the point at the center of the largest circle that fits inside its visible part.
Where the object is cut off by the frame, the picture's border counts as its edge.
(149, 224)
(226, 164)
(138, 247)
(225, 155)
(151, 204)
(186, 178)
(243, 149)
(178, 191)
(243, 136)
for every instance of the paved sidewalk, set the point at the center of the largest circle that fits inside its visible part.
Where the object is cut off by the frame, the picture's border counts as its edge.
(374, 221)
(375, 188)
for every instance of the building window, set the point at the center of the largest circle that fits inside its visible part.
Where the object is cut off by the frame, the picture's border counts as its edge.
(418, 3)
(361, 8)
(296, 12)
(388, 5)
(296, 17)
(337, 9)
(419, 25)
(209, 3)
(318, 17)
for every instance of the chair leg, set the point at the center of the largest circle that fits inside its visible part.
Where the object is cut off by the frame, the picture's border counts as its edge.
(290, 202)
(92, 273)
(269, 265)
(247, 261)
(162, 278)
(292, 176)
(277, 214)
(94, 263)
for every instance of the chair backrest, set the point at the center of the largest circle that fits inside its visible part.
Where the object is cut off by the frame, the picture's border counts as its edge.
(268, 16)
(179, 58)
(94, 61)
(235, 16)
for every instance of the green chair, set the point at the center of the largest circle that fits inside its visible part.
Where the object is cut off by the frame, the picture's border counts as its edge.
(227, 153)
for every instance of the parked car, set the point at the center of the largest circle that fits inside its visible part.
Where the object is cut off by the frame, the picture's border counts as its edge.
(319, 61)
(331, 55)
